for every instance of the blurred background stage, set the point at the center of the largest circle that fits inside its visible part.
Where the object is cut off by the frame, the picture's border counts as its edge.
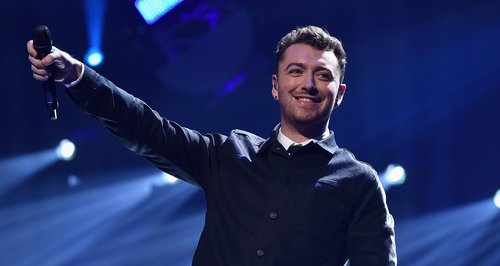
(423, 93)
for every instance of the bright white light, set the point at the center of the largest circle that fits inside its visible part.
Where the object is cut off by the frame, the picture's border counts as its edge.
(496, 199)
(170, 179)
(94, 57)
(152, 10)
(394, 175)
(65, 150)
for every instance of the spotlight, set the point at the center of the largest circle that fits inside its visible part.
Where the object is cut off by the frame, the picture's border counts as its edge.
(168, 179)
(94, 57)
(163, 179)
(152, 10)
(73, 181)
(65, 150)
(394, 175)
(95, 11)
(496, 199)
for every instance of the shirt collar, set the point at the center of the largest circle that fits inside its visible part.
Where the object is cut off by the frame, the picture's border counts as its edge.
(287, 142)
(326, 142)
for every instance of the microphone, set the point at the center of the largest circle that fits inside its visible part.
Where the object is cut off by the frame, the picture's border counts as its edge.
(42, 42)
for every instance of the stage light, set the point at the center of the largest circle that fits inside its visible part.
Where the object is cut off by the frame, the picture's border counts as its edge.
(394, 175)
(496, 199)
(152, 10)
(94, 57)
(73, 181)
(95, 11)
(18, 169)
(169, 179)
(65, 150)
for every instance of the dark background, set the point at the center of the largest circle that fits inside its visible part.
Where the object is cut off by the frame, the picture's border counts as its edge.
(423, 82)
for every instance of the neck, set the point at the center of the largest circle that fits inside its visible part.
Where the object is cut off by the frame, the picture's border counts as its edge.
(300, 134)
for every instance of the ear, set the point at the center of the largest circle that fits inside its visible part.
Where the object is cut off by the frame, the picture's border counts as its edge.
(340, 95)
(274, 90)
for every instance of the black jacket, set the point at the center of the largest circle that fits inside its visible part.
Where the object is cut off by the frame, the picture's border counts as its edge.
(318, 206)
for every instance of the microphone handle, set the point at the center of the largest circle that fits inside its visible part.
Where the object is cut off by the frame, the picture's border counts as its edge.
(49, 90)
(49, 86)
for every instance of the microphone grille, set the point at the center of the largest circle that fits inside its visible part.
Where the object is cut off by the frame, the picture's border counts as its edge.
(42, 40)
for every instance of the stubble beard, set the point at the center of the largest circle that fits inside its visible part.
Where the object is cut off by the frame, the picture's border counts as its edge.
(311, 123)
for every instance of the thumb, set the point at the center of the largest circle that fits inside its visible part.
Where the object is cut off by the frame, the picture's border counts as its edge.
(64, 67)
(48, 60)
(54, 56)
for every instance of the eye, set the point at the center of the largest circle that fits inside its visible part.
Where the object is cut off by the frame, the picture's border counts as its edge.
(295, 71)
(325, 76)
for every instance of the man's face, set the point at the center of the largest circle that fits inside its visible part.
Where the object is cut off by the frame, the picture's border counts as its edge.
(307, 87)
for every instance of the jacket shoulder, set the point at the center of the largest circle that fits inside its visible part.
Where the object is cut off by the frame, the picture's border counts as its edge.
(246, 136)
(345, 162)
(242, 143)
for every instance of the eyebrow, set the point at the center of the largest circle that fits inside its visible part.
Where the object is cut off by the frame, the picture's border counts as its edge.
(301, 65)
(295, 64)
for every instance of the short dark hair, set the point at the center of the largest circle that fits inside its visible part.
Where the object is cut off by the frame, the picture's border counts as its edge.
(316, 37)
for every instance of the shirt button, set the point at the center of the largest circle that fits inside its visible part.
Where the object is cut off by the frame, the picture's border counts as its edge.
(273, 215)
(260, 252)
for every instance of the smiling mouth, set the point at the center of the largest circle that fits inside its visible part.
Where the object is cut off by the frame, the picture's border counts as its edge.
(307, 100)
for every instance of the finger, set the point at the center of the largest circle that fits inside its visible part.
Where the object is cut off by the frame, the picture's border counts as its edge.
(31, 49)
(35, 62)
(48, 60)
(40, 71)
(40, 78)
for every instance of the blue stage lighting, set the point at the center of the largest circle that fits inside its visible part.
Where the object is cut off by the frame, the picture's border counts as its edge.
(94, 57)
(16, 170)
(496, 199)
(169, 179)
(73, 181)
(394, 175)
(152, 10)
(65, 150)
(95, 11)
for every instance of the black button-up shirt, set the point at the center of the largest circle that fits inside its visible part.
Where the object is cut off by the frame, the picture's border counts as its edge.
(317, 206)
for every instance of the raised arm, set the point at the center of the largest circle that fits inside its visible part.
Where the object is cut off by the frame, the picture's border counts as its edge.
(179, 151)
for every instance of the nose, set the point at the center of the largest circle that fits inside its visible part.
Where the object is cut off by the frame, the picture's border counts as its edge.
(310, 85)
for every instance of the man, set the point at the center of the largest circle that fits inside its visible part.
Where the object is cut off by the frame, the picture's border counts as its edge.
(268, 202)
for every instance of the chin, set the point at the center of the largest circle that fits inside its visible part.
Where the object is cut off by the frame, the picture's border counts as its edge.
(308, 117)
(308, 120)
(301, 117)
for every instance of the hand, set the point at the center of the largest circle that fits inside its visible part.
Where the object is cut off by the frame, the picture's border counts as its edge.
(58, 64)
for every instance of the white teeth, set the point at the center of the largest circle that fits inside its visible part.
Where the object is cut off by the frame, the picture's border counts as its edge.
(305, 99)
